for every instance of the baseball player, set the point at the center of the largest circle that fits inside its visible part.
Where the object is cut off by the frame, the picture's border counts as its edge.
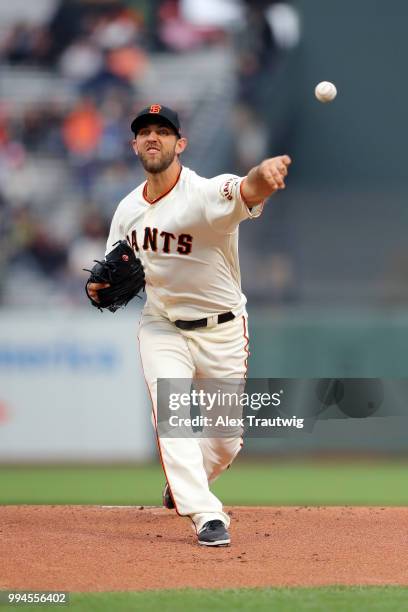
(184, 228)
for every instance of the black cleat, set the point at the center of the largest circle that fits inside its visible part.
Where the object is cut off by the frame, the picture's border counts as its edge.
(214, 533)
(168, 498)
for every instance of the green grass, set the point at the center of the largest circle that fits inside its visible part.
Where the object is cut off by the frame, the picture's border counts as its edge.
(271, 482)
(327, 599)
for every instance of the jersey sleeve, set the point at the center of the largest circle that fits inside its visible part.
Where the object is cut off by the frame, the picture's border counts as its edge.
(225, 205)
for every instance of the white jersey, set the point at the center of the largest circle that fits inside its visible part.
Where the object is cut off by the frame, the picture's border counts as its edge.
(187, 241)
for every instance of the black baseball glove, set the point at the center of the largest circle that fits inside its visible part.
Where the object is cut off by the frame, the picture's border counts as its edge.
(124, 273)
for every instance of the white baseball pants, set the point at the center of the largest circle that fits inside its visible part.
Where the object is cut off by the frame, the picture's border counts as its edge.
(191, 464)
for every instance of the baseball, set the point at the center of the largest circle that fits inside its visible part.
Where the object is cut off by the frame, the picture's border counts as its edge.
(325, 91)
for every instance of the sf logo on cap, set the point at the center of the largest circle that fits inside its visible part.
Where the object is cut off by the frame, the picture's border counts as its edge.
(155, 108)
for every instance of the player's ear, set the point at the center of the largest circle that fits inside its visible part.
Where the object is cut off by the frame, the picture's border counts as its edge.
(134, 146)
(181, 145)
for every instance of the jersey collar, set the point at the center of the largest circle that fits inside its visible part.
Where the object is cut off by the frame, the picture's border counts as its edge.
(163, 194)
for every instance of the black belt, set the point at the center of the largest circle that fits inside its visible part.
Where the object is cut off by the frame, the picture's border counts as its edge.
(186, 325)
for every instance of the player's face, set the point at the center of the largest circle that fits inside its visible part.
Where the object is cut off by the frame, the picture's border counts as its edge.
(157, 146)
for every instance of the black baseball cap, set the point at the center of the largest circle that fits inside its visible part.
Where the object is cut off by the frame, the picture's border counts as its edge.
(163, 114)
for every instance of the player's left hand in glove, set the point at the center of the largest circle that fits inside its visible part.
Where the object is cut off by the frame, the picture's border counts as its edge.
(117, 279)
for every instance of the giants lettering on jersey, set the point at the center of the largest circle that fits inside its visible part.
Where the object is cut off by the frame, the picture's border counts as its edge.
(166, 242)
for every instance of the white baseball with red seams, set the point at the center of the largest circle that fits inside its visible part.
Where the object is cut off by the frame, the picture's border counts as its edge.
(325, 91)
(187, 241)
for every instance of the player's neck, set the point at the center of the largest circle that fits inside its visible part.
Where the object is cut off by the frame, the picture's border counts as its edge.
(159, 184)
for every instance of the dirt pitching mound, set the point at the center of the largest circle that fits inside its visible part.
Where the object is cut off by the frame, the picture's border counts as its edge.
(99, 548)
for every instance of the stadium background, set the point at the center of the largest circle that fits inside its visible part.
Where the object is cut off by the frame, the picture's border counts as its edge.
(324, 270)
